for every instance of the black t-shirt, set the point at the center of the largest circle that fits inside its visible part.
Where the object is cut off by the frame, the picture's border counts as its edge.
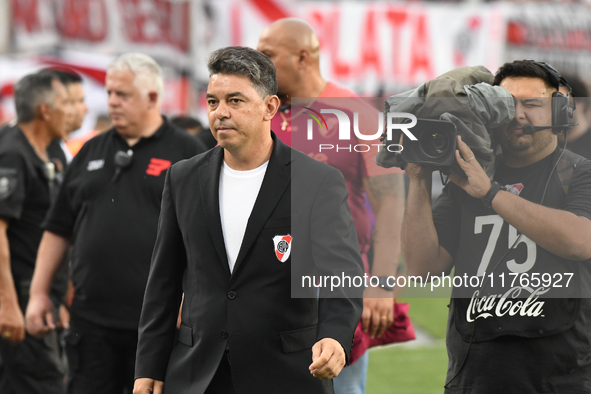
(548, 347)
(24, 200)
(113, 215)
(57, 155)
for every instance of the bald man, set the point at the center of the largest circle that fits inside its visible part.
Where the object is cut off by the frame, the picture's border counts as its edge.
(294, 49)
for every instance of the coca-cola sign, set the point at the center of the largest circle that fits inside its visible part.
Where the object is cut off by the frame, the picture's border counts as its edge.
(511, 303)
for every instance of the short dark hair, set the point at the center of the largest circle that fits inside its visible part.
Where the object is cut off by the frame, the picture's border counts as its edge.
(247, 62)
(524, 68)
(65, 76)
(30, 92)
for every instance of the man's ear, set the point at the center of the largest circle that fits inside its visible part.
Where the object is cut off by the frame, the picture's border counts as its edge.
(304, 59)
(271, 107)
(153, 99)
(44, 112)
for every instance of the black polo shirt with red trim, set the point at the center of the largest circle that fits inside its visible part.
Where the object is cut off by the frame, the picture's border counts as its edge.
(110, 208)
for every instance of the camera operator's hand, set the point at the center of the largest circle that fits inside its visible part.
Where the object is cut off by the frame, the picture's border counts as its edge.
(477, 183)
(419, 172)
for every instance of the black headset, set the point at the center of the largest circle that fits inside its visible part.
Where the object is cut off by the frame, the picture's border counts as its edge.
(563, 107)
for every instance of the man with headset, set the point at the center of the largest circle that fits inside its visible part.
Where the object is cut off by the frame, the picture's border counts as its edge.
(531, 221)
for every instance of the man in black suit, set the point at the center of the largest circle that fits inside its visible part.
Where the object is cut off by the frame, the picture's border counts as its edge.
(240, 227)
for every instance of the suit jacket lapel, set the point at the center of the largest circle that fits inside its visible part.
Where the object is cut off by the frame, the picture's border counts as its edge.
(209, 185)
(277, 178)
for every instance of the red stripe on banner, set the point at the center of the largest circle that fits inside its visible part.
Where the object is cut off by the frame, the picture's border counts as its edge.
(7, 90)
(270, 9)
(97, 74)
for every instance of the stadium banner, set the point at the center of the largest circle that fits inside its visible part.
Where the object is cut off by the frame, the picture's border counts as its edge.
(160, 28)
(367, 46)
(4, 26)
(559, 34)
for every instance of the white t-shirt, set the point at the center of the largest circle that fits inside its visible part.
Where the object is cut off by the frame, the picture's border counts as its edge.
(238, 193)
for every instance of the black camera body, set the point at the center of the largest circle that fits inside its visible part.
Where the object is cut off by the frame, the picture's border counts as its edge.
(435, 144)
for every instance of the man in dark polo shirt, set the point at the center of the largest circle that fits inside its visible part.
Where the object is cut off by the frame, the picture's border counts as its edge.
(108, 208)
(27, 178)
(58, 151)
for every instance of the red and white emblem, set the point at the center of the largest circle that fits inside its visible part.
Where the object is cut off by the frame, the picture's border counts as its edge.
(282, 247)
(515, 188)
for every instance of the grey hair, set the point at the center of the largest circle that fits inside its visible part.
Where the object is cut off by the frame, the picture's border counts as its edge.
(30, 92)
(247, 62)
(147, 73)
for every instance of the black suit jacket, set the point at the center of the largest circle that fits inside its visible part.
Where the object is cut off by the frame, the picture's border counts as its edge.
(251, 311)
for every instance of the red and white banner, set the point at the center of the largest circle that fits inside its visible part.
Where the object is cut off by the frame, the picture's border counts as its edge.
(375, 48)
(371, 46)
(556, 33)
(160, 28)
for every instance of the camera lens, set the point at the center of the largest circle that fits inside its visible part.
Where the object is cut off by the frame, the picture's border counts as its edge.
(434, 144)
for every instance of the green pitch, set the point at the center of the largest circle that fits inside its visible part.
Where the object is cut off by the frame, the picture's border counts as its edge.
(407, 371)
(413, 370)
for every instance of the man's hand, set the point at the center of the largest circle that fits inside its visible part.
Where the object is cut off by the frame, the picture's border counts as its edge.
(477, 184)
(64, 322)
(147, 386)
(179, 319)
(378, 313)
(328, 359)
(12, 323)
(39, 315)
(419, 172)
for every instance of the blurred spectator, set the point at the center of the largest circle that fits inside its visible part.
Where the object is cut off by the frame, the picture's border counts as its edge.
(103, 123)
(109, 205)
(191, 125)
(73, 83)
(58, 151)
(207, 138)
(27, 178)
(194, 127)
(60, 155)
(578, 138)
